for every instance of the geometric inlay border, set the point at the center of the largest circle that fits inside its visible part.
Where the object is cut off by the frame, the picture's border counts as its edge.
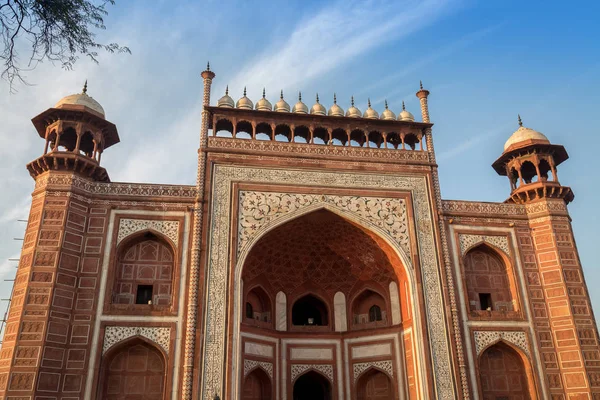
(483, 339)
(219, 268)
(467, 241)
(386, 366)
(129, 226)
(115, 334)
(249, 365)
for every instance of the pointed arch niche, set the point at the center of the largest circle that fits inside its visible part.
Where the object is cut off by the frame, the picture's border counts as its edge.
(490, 283)
(135, 368)
(143, 274)
(374, 384)
(316, 262)
(505, 373)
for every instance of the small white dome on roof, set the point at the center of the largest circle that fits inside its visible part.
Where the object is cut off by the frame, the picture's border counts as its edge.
(226, 101)
(318, 108)
(300, 107)
(371, 113)
(80, 99)
(244, 102)
(522, 134)
(335, 110)
(388, 114)
(263, 104)
(353, 112)
(405, 115)
(281, 105)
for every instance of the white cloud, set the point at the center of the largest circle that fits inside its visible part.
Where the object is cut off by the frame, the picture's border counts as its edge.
(332, 37)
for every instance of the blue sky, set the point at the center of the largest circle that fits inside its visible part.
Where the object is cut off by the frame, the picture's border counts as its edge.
(483, 61)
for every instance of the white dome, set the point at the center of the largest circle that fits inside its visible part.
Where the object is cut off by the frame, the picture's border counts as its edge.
(522, 134)
(80, 99)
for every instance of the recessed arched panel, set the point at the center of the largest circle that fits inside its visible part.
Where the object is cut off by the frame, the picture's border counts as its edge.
(375, 385)
(257, 386)
(503, 373)
(309, 310)
(313, 386)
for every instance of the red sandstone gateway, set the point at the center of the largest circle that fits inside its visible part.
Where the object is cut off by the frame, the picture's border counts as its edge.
(314, 259)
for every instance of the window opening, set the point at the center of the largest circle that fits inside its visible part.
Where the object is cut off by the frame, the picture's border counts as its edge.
(144, 294)
(485, 300)
(375, 314)
(249, 311)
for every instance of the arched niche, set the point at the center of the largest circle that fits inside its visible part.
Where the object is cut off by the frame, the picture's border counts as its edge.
(312, 385)
(504, 372)
(393, 140)
(283, 133)
(320, 136)
(357, 138)
(135, 368)
(281, 311)
(375, 384)
(528, 172)
(369, 310)
(339, 137)
(490, 281)
(87, 144)
(67, 140)
(257, 386)
(339, 309)
(264, 131)
(144, 271)
(309, 310)
(301, 134)
(411, 140)
(257, 307)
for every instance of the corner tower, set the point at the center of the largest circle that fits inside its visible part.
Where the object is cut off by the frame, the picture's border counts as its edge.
(564, 322)
(76, 134)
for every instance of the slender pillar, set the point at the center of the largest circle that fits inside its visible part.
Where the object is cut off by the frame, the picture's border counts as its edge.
(192, 310)
(422, 95)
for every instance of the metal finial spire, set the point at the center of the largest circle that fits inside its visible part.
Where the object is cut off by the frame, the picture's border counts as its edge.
(334, 99)
(317, 97)
(386, 106)
(281, 94)
(403, 108)
(264, 94)
(208, 66)
(227, 90)
(369, 102)
(421, 84)
(520, 122)
(352, 101)
(244, 91)
(84, 91)
(299, 96)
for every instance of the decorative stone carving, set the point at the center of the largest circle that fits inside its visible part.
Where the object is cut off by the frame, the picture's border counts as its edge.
(483, 339)
(218, 268)
(130, 226)
(249, 365)
(474, 208)
(115, 334)
(467, 241)
(258, 208)
(325, 369)
(281, 312)
(386, 366)
(339, 309)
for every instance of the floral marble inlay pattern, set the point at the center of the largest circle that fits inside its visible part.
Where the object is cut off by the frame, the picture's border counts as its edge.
(258, 208)
(115, 334)
(483, 339)
(325, 369)
(249, 365)
(468, 241)
(130, 226)
(386, 366)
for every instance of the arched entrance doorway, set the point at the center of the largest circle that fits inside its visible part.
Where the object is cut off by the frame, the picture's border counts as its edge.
(312, 386)
(257, 386)
(136, 371)
(375, 385)
(503, 374)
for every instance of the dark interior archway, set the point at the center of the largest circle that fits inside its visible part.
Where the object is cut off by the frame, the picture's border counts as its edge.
(312, 386)
(375, 385)
(309, 310)
(257, 386)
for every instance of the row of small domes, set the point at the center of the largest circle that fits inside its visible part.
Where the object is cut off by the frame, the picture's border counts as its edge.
(335, 110)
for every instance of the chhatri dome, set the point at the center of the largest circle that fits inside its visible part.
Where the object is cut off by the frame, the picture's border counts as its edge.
(405, 115)
(300, 107)
(388, 114)
(81, 99)
(353, 111)
(281, 105)
(226, 101)
(524, 134)
(318, 108)
(370, 113)
(244, 103)
(263, 104)
(335, 110)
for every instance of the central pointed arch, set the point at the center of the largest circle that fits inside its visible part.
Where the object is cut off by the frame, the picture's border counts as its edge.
(383, 240)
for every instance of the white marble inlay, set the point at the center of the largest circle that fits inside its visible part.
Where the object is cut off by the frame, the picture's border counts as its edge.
(395, 300)
(311, 354)
(257, 349)
(339, 307)
(281, 312)
(373, 350)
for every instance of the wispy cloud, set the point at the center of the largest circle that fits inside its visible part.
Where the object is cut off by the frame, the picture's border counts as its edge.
(8, 267)
(472, 142)
(20, 210)
(335, 35)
